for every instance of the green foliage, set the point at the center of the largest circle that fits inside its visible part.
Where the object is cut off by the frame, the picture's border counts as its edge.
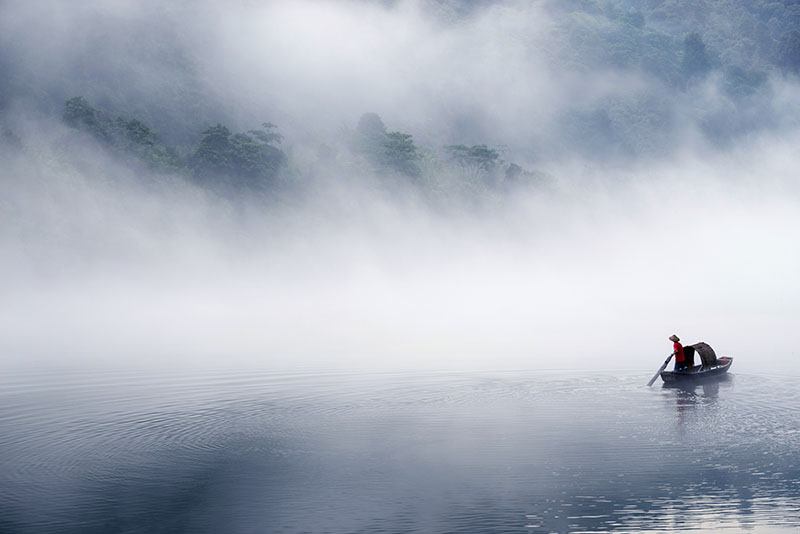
(129, 138)
(677, 43)
(475, 161)
(214, 152)
(138, 133)
(387, 152)
(643, 50)
(615, 40)
(516, 175)
(82, 116)
(745, 31)
(265, 135)
(625, 126)
(400, 154)
(370, 137)
(652, 35)
(239, 160)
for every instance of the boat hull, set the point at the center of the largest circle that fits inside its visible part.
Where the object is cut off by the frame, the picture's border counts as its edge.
(698, 372)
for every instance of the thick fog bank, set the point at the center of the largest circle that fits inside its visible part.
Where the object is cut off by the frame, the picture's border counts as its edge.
(449, 185)
(592, 273)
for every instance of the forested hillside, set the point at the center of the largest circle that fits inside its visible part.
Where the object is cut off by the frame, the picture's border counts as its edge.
(598, 80)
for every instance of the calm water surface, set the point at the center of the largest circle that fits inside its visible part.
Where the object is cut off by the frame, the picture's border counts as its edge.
(242, 452)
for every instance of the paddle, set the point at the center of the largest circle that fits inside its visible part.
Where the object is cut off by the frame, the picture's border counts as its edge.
(659, 371)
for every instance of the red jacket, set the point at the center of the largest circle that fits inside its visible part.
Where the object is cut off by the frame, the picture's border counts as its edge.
(678, 349)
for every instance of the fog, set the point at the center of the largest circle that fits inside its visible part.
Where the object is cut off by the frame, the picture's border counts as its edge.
(591, 269)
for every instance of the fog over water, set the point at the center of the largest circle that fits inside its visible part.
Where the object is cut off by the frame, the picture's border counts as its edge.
(591, 266)
(577, 276)
(355, 266)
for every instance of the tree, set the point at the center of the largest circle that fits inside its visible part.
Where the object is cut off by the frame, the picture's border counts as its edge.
(135, 138)
(240, 160)
(400, 154)
(388, 152)
(371, 125)
(82, 116)
(213, 155)
(476, 161)
(127, 138)
(695, 62)
(513, 171)
(370, 136)
(265, 135)
(137, 132)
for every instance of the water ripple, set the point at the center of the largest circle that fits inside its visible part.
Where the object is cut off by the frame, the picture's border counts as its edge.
(237, 451)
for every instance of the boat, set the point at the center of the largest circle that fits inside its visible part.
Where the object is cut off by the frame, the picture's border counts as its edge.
(710, 366)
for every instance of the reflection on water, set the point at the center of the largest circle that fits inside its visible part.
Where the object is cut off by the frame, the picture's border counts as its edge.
(248, 452)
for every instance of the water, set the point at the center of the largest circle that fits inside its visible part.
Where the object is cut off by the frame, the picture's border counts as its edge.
(242, 452)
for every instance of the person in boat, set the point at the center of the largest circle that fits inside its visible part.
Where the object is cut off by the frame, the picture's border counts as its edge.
(680, 358)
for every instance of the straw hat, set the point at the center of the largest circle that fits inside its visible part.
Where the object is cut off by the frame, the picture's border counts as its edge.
(674, 338)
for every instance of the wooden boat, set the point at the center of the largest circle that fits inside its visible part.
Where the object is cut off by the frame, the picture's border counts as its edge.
(710, 366)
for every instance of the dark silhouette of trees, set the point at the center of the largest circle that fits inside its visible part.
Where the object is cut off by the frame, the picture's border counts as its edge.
(477, 161)
(238, 160)
(129, 138)
(82, 116)
(388, 152)
(695, 63)
(400, 154)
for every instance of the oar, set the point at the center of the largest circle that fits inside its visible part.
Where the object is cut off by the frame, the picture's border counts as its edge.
(659, 371)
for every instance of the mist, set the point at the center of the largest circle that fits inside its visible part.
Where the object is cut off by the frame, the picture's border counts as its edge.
(625, 233)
